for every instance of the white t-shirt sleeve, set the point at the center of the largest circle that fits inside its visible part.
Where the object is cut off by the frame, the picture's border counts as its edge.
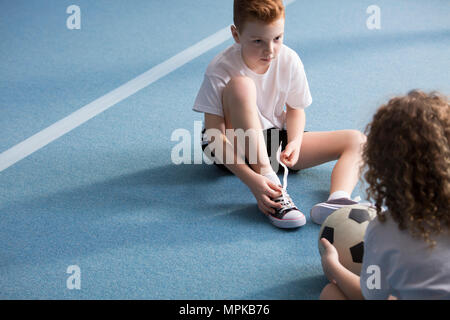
(299, 96)
(374, 285)
(209, 97)
(395, 263)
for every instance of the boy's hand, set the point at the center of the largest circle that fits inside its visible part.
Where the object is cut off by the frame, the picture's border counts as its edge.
(264, 191)
(330, 259)
(289, 156)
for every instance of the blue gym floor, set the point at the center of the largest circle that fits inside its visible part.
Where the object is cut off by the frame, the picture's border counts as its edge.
(107, 197)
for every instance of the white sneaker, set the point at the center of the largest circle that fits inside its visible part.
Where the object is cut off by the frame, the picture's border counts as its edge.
(322, 210)
(288, 216)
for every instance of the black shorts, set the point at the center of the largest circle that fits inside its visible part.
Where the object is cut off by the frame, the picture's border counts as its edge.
(270, 145)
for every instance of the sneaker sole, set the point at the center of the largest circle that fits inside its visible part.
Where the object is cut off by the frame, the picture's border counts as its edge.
(323, 210)
(288, 223)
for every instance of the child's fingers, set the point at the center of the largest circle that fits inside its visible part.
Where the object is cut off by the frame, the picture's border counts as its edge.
(273, 194)
(286, 154)
(266, 210)
(287, 162)
(287, 158)
(270, 207)
(271, 204)
(326, 244)
(274, 186)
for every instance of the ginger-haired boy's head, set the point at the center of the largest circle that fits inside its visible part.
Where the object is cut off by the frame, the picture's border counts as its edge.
(266, 11)
(407, 156)
(259, 29)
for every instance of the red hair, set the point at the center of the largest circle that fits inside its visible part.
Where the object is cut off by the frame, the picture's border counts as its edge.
(266, 11)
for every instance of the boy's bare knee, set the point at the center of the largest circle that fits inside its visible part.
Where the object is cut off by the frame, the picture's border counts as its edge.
(362, 138)
(238, 84)
(239, 89)
(356, 140)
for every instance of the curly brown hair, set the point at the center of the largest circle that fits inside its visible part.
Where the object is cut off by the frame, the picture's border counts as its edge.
(407, 162)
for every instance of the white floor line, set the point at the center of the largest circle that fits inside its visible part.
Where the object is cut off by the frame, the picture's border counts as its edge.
(89, 111)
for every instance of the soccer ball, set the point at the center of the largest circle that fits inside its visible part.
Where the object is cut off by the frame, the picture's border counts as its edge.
(345, 229)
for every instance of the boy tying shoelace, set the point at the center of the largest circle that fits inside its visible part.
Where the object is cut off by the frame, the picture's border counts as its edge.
(259, 85)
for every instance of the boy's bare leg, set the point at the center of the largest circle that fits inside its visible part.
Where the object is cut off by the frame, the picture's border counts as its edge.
(240, 110)
(342, 145)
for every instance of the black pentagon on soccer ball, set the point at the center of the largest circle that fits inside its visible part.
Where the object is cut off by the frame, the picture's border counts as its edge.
(359, 215)
(357, 252)
(328, 233)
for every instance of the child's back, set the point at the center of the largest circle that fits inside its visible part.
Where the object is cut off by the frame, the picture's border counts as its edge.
(408, 159)
(407, 247)
(409, 269)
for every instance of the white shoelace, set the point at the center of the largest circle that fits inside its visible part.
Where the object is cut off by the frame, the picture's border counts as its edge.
(284, 166)
(286, 200)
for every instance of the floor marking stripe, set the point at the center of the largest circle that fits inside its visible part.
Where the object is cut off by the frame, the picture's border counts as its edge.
(89, 111)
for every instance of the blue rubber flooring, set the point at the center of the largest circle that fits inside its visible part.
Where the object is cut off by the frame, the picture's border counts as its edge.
(107, 197)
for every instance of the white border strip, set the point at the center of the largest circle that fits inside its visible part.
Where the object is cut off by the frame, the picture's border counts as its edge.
(89, 111)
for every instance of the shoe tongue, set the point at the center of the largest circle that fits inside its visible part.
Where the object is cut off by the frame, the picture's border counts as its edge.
(288, 204)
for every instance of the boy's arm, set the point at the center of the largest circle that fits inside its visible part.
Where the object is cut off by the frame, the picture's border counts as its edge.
(295, 124)
(262, 187)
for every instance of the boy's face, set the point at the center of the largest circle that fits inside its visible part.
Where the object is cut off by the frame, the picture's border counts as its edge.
(260, 43)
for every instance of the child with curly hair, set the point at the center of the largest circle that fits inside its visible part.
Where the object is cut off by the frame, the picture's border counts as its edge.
(407, 247)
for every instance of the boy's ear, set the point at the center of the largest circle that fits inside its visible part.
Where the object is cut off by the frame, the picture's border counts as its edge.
(235, 33)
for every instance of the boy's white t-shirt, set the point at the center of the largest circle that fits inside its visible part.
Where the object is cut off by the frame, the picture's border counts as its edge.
(406, 268)
(284, 82)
